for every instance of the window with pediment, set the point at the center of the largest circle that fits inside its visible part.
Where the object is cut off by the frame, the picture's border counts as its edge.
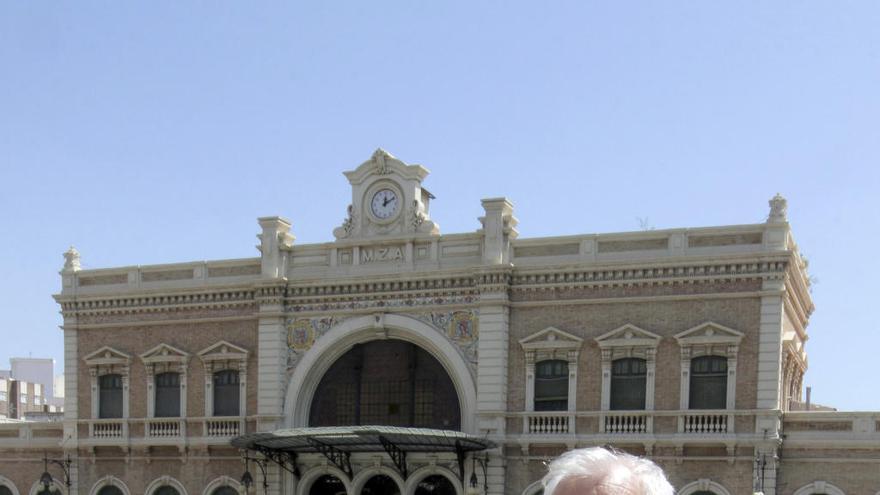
(551, 357)
(166, 370)
(109, 374)
(225, 379)
(708, 366)
(628, 367)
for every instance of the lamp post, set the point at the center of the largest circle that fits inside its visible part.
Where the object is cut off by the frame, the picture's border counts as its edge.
(46, 479)
(247, 480)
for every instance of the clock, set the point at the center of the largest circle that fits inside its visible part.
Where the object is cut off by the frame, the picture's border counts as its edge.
(385, 204)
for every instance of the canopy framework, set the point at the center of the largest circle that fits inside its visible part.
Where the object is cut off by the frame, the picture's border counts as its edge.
(337, 443)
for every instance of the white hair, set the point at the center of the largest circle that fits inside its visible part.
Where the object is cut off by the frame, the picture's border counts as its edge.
(600, 466)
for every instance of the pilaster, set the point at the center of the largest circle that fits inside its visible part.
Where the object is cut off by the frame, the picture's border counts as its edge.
(770, 346)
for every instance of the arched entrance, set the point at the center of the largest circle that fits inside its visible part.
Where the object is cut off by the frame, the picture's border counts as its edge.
(386, 382)
(342, 338)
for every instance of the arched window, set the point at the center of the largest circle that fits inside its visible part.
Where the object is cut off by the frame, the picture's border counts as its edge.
(165, 490)
(167, 395)
(551, 385)
(225, 490)
(708, 387)
(628, 384)
(226, 393)
(4, 490)
(386, 382)
(380, 485)
(110, 396)
(436, 484)
(327, 485)
(110, 490)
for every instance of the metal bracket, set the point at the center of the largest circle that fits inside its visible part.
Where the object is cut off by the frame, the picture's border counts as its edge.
(286, 460)
(339, 458)
(460, 454)
(398, 456)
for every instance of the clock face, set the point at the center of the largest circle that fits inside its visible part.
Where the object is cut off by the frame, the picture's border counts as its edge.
(385, 204)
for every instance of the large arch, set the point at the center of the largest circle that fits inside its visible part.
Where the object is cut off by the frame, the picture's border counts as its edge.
(412, 481)
(312, 475)
(341, 338)
(221, 482)
(163, 481)
(4, 481)
(703, 485)
(819, 487)
(361, 478)
(109, 480)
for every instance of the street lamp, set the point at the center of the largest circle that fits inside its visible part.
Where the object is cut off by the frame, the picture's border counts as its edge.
(247, 480)
(483, 462)
(46, 479)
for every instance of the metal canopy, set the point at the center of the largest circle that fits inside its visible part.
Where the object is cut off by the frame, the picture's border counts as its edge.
(337, 443)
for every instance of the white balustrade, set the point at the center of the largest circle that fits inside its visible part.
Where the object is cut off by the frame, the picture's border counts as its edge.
(163, 428)
(222, 427)
(704, 423)
(548, 423)
(106, 430)
(626, 423)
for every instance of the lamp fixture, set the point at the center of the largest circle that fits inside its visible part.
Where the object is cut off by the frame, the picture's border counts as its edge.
(46, 478)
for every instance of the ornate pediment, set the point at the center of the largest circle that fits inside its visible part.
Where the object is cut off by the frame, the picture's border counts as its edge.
(223, 351)
(551, 338)
(628, 335)
(709, 333)
(387, 198)
(164, 353)
(107, 356)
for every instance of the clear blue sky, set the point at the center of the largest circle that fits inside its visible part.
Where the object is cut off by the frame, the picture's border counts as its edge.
(157, 132)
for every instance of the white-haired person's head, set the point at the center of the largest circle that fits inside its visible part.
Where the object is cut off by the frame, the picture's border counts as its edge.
(601, 471)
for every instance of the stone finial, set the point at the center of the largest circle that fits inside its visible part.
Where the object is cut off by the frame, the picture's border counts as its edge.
(778, 209)
(71, 260)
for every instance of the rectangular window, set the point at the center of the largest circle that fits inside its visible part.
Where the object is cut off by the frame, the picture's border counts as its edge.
(24, 398)
(167, 403)
(551, 385)
(628, 384)
(226, 393)
(110, 396)
(708, 383)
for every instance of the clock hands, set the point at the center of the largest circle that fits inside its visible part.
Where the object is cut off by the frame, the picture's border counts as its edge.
(388, 199)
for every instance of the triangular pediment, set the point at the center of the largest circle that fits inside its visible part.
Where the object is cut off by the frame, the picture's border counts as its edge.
(628, 335)
(384, 163)
(551, 338)
(107, 355)
(709, 333)
(223, 350)
(164, 353)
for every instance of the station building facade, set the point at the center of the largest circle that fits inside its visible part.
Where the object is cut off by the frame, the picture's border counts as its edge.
(683, 345)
